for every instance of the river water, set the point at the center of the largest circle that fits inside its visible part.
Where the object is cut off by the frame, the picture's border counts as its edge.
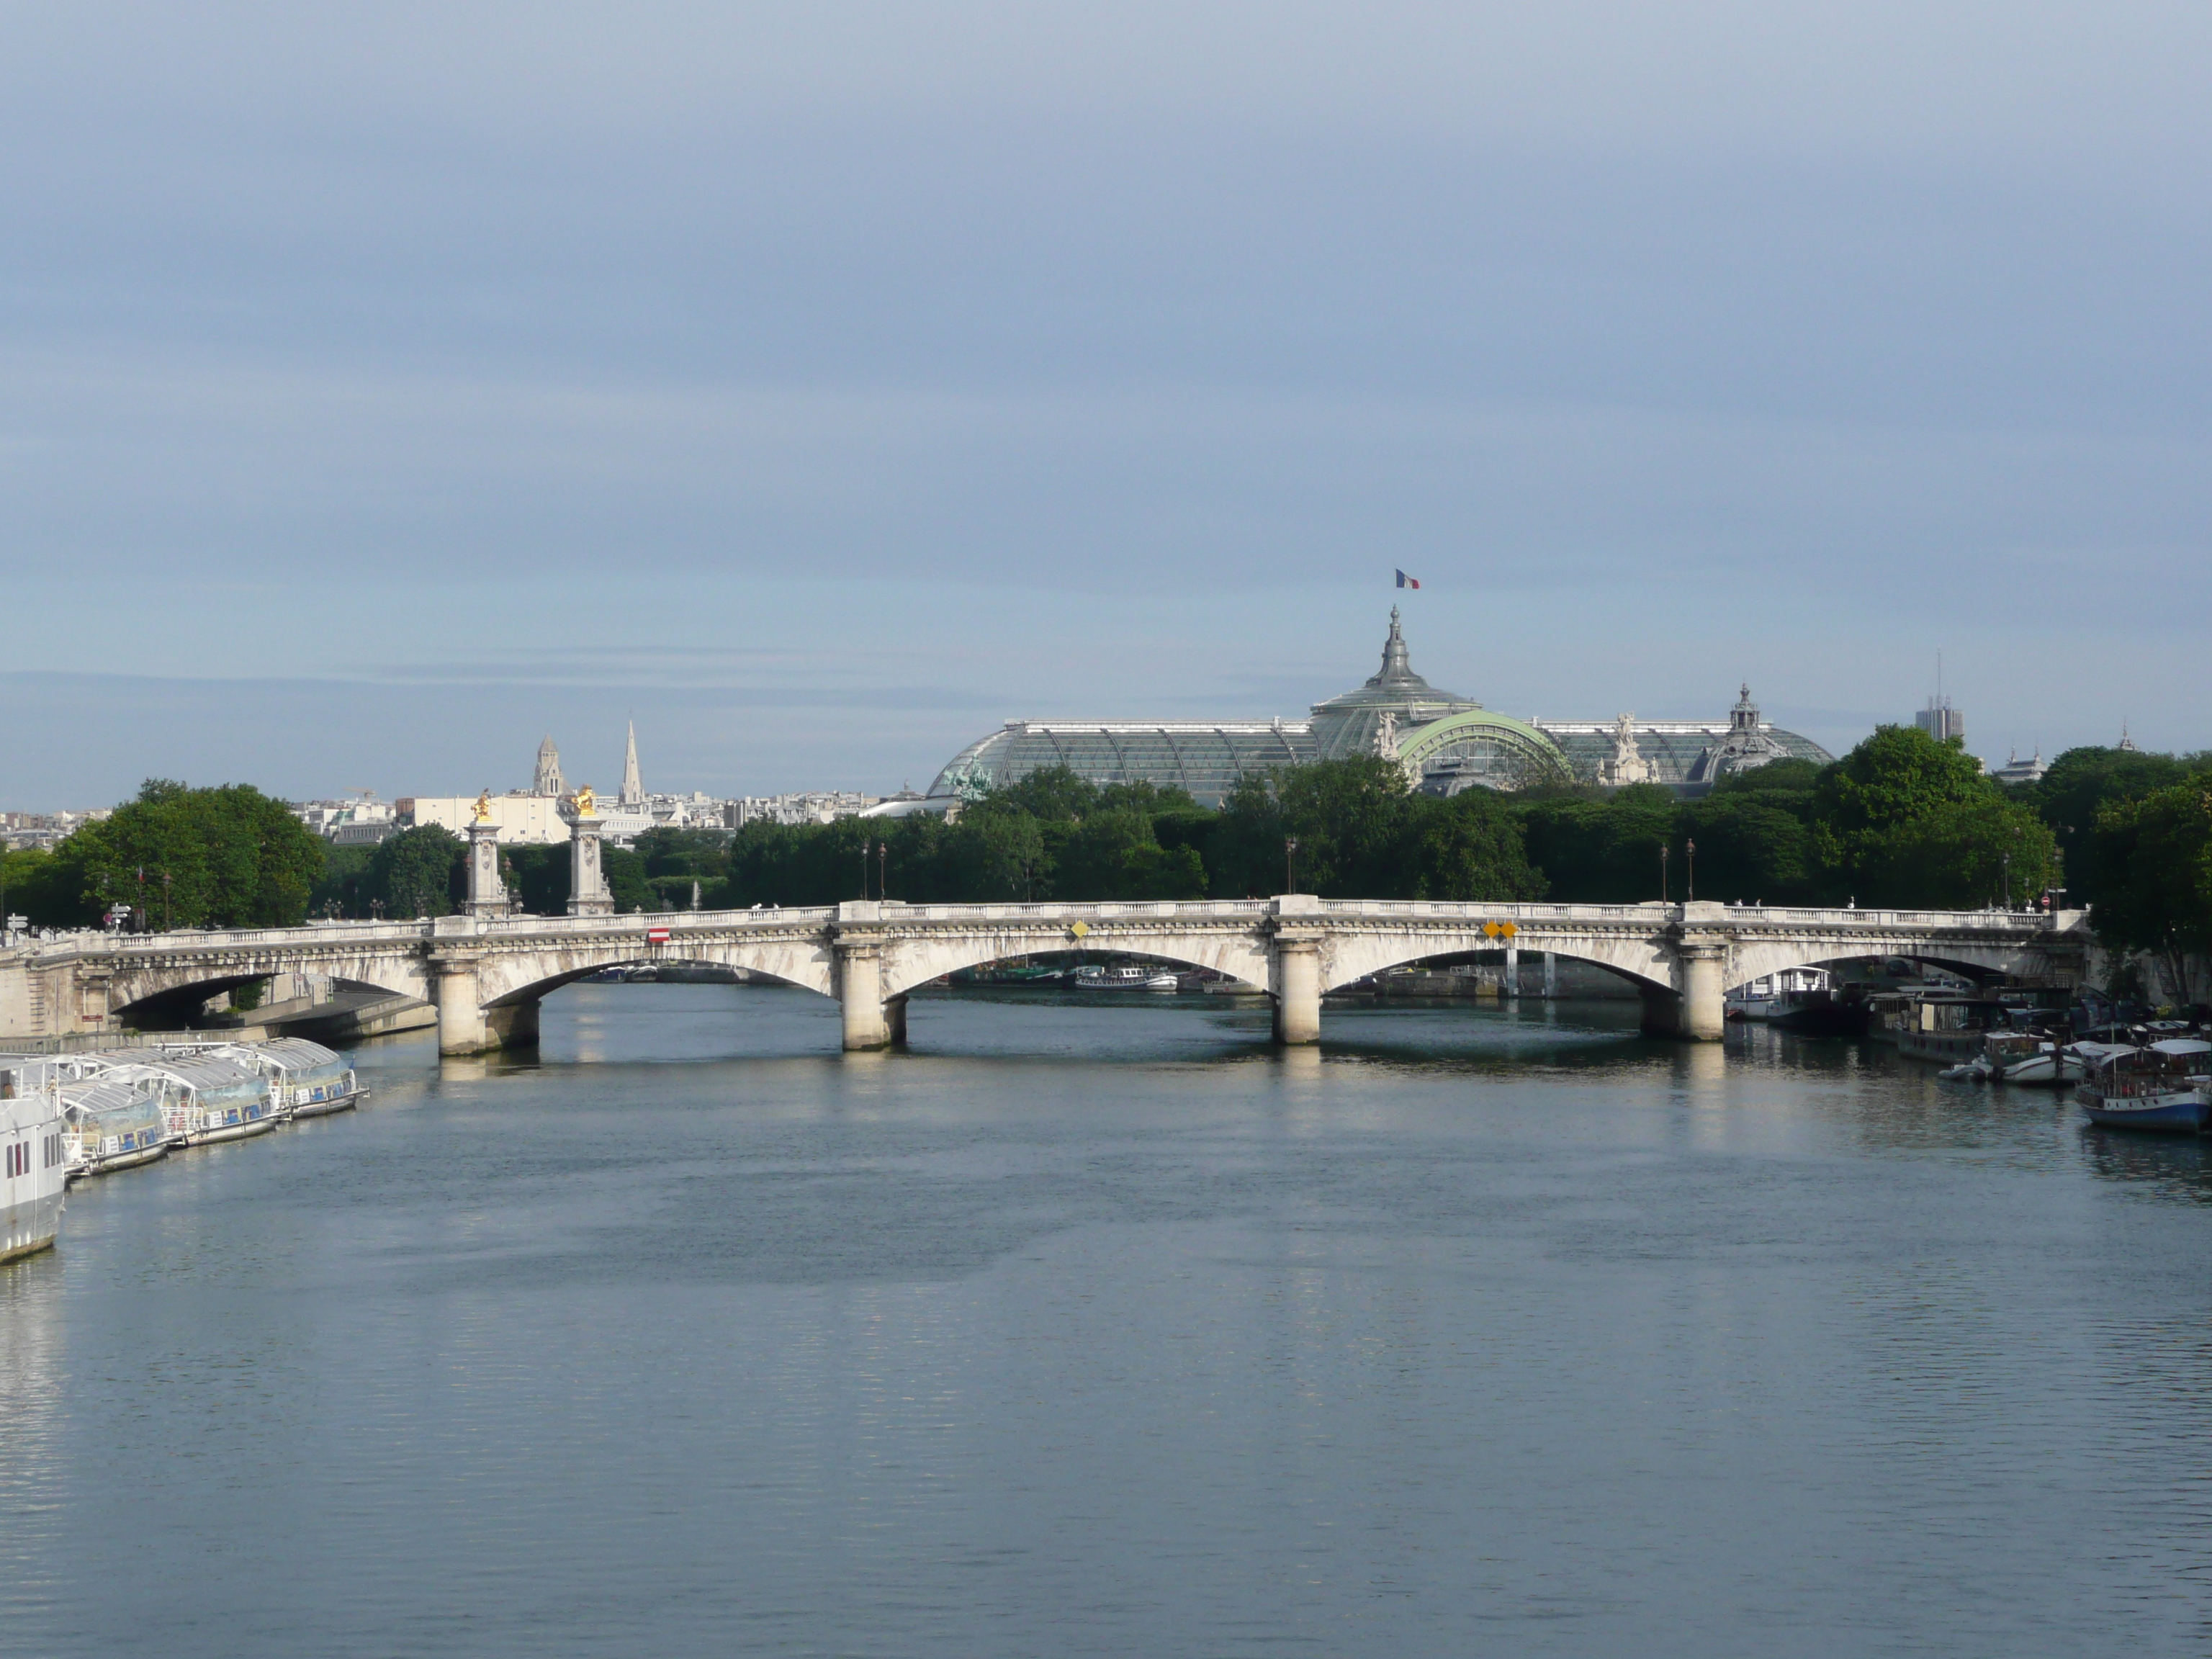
(1090, 1330)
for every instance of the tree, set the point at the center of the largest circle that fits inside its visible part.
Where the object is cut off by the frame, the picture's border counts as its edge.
(2071, 797)
(1602, 847)
(419, 871)
(1959, 855)
(1468, 847)
(228, 857)
(2158, 895)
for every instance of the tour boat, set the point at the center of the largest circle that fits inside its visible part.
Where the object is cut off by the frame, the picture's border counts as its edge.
(1128, 978)
(305, 1079)
(33, 1167)
(211, 1098)
(2165, 1086)
(112, 1122)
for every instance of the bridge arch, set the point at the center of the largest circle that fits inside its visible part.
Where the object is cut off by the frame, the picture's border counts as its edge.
(511, 978)
(1637, 959)
(1757, 958)
(912, 960)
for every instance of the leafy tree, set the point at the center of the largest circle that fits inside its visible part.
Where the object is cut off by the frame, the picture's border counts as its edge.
(345, 882)
(1469, 846)
(419, 873)
(43, 890)
(2072, 796)
(1959, 855)
(1751, 847)
(232, 857)
(2158, 894)
(1602, 847)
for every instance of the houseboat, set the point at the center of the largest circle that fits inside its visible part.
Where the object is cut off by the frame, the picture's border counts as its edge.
(1945, 1025)
(33, 1168)
(2165, 1086)
(1775, 994)
(1128, 978)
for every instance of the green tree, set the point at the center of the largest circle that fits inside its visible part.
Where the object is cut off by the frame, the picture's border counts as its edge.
(2072, 796)
(43, 890)
(228, 857)
(1602, 847)
(1959, 855)
(419, 873)
(2158, 895)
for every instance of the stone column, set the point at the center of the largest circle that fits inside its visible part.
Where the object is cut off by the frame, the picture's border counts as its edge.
(461, 1029)
(1697, 969)
(1297, 989)
(1513, 972)
(1663, 1010)
(895, 1021)
(860, 995)
(587, 884)
(487, 892)
(512, 1025)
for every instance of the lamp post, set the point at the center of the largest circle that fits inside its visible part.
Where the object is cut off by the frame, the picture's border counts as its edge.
(1289, 867)
(168, 905)
(864, 870)
(1664, 851)
(1690, 875)
(883, 869)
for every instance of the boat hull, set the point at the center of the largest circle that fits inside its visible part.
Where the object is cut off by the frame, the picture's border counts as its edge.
(130, 1160)
(251, 1127)
(30, 1227)
(2176, 1114)
(325, 1107)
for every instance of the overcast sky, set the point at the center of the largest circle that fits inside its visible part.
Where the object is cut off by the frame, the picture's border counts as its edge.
(381, 387)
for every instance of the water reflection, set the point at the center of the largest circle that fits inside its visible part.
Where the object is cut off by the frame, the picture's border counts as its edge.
(1082, 1329)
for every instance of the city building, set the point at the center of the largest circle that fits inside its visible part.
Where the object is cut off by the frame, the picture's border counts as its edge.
(2016, 770)
(360, 820)
(1941, 722)
(1446, 743)
(26, 831)
(810, 806)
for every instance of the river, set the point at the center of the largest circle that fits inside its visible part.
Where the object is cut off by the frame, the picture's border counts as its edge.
(1111, 1330)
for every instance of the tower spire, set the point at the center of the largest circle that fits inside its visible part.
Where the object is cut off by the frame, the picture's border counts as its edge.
(633, 786)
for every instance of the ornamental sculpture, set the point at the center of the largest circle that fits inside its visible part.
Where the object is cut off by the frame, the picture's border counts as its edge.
(584, 799)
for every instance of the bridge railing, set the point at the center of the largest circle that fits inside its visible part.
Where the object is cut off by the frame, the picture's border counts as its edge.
(1103, 910)
(1654, 913)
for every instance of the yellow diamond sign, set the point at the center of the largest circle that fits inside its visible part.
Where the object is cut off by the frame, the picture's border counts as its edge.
(1079, 929)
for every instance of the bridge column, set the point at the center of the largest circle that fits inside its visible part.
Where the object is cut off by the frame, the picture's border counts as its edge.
(487, 892)
(860, 995)
(1513, 972)
(895, 1021)
(461, 1026)
(1698, 971)
(1297, 989)
(587, 882)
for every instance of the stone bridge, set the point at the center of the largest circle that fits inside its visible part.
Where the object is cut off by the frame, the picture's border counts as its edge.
(487, 974)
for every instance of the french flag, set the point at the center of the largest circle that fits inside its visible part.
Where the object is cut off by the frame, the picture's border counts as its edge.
(1404, 581)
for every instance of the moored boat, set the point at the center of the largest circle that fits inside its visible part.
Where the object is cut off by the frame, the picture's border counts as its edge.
(305, 1079)
(2164, 1086)
(33, 1167)
(211, 1098)
(1128, 978)
(113, 1122)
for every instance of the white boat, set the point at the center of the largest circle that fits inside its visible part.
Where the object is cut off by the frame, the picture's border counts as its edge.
(1775, 994)
(305, 1079)
(1124, 978)
(112, 1122)
(211, 1098)
(33, 1166)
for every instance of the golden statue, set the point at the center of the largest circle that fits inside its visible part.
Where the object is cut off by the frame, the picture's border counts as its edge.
(584, 799)
(483, 807)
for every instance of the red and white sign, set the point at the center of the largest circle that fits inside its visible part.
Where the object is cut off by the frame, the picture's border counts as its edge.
(656, 936)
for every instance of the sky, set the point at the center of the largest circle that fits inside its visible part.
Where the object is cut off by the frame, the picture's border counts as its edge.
(382, 388)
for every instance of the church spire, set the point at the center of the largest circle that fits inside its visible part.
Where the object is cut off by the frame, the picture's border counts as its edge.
(548, 779)
(633, 786)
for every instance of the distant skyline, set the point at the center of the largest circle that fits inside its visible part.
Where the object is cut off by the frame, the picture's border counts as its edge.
(821, 386)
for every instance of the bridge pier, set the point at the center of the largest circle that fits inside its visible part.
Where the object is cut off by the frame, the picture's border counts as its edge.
(462, 1028)
(1297, 989)
(1697, 972)
(868, 1022)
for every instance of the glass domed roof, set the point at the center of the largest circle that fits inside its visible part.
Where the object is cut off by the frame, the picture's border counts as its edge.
(1349, 724)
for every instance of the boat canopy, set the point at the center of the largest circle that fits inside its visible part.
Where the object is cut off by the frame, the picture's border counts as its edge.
(209, 1081)
(298, 1062)
(113, 1114)
(2182, 1046)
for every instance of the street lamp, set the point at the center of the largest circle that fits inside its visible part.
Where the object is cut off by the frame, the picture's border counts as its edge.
(883, 869)
(1290, 854)
(1665, 851)
(168, 905)
(1690, 879)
